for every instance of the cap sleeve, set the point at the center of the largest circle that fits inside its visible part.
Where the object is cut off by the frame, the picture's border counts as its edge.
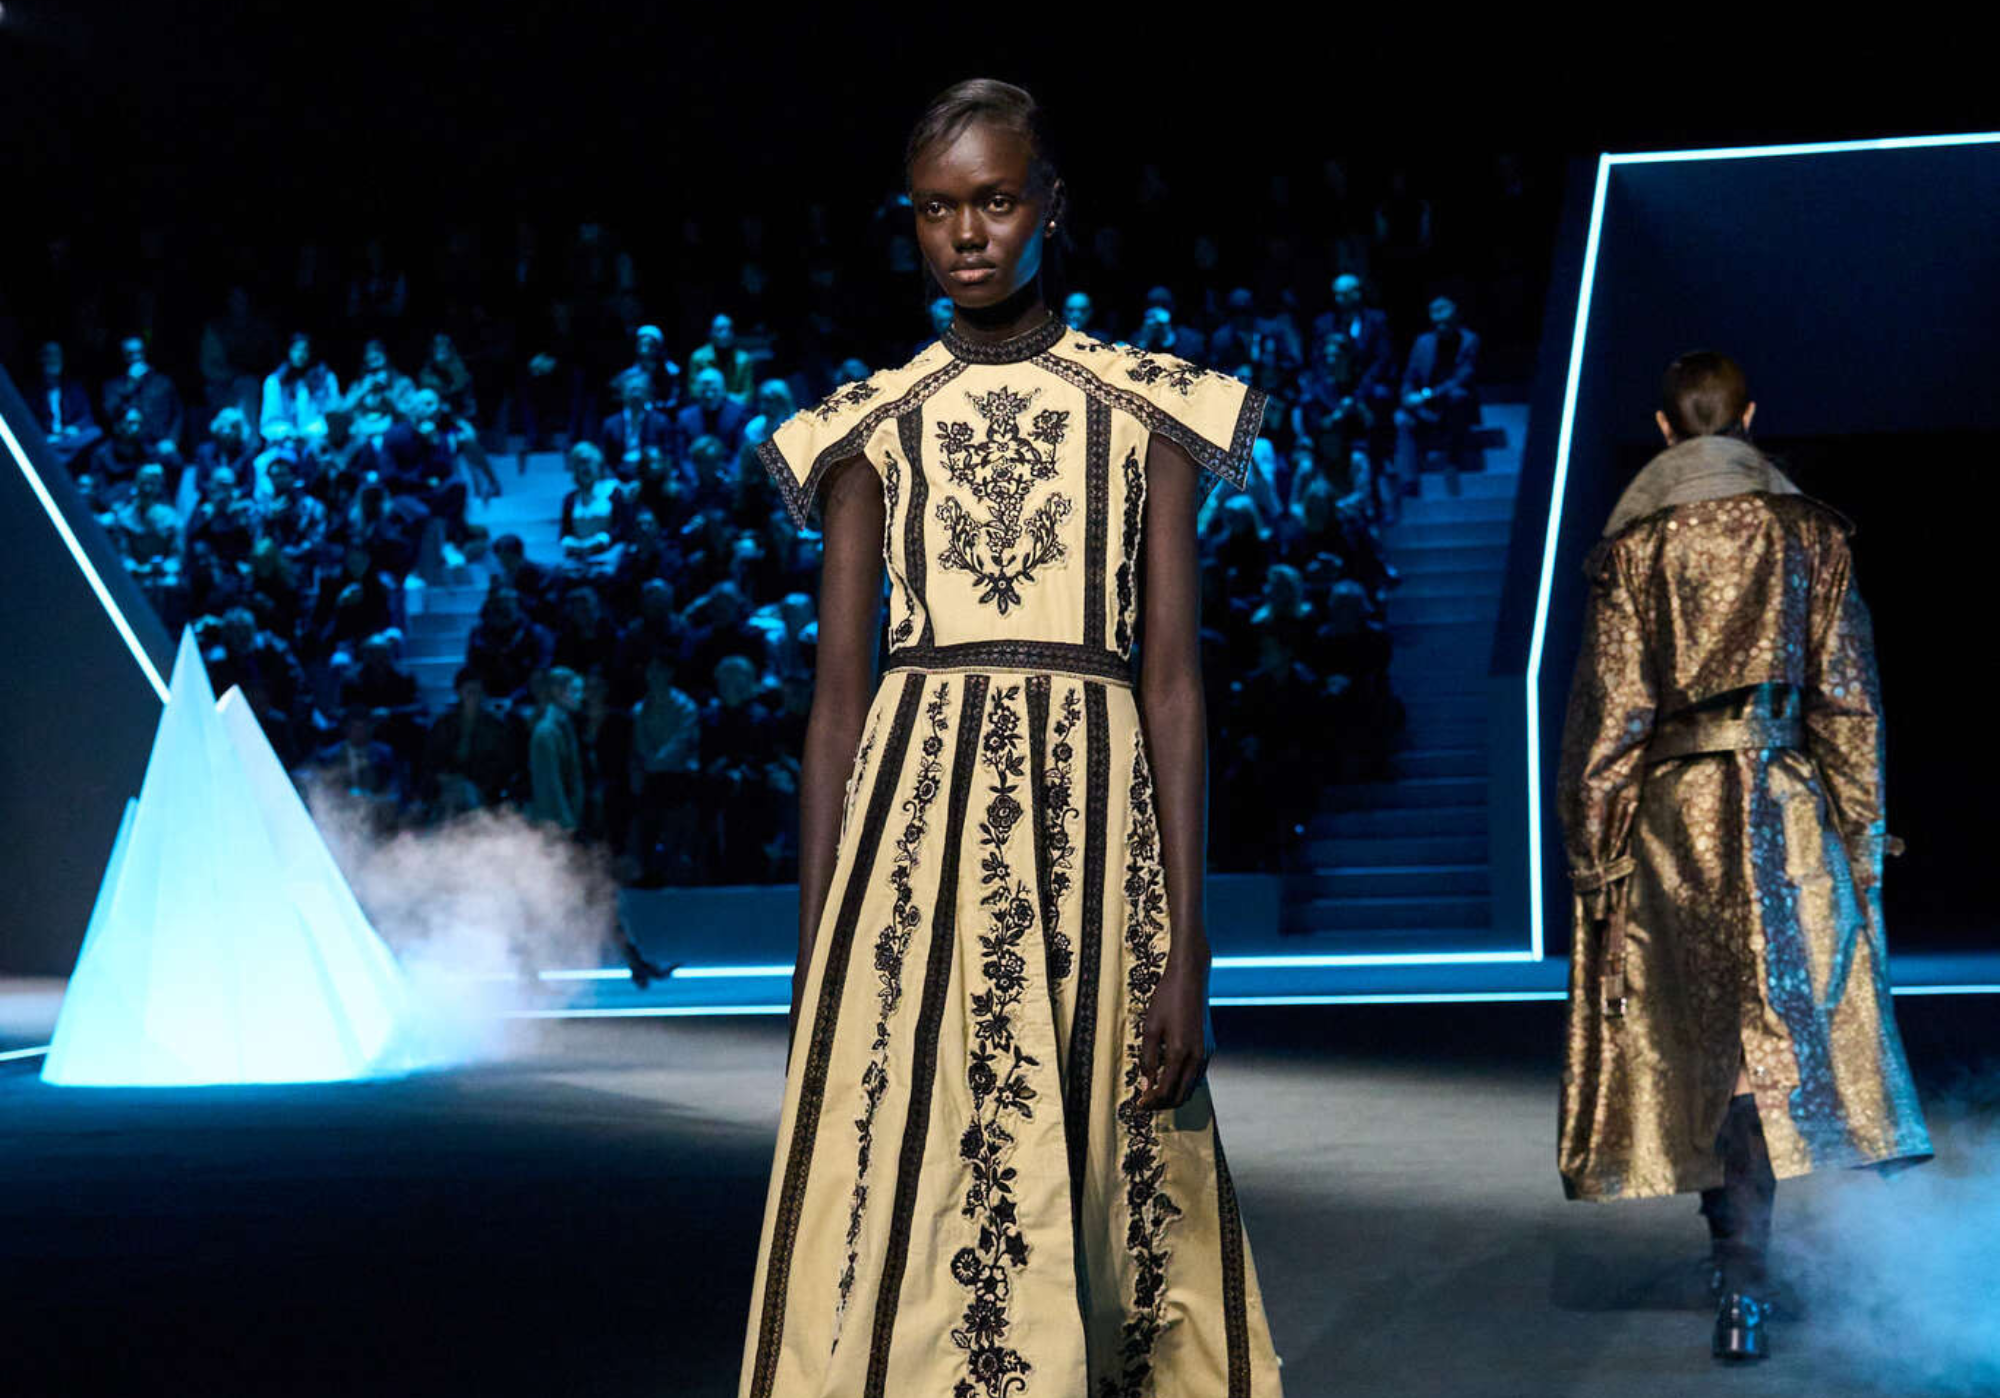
(813, 440)
(1214, 417)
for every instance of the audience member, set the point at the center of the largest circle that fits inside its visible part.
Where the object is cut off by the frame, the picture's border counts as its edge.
(1440, 402)
(722, 354)
(60, 405)
(300, 392)
(468, 759)
(555, 763)
(151, 392)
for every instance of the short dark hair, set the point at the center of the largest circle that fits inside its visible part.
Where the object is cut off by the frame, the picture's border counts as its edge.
(990, 100)
(1704, 394)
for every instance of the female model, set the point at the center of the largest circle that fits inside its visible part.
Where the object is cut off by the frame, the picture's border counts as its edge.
(998, 1171)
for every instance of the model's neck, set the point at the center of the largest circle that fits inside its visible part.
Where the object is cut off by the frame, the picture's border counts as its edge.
(1003, 320)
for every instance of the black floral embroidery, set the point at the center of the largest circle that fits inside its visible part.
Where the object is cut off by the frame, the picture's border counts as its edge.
(998, 1078)
(1142, 1165)
(892, 485)
(1000, 472)
(854, 777)
(1135, 507)
(1179, 375)
(1057, 812)
(841, 399)
(890, 945)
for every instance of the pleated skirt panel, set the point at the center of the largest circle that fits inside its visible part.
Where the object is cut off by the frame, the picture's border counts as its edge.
(965, 1200)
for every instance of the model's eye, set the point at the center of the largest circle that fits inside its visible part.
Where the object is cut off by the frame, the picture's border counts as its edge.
(1001, 203)
(933, 208)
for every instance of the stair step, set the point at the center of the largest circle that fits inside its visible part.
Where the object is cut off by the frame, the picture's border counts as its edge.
(1384, 821)
(1467, 509)
(1395, 881)
(1440, 733)
(1441, 611)
(1380, 914)
(1425, 559)
(1472, 485)
(1469, 760)
(427, 644)
(1406, 792)
(1414, 534)
(1397, 851)
(1475, 586)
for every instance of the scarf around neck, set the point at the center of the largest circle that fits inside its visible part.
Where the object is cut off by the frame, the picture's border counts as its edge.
(1700, 468)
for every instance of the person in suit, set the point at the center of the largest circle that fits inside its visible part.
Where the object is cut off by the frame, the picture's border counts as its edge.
(713, 414)
(1440, 403)
(637, 431)
(61, 407)
(151, 392)
(1367, 329)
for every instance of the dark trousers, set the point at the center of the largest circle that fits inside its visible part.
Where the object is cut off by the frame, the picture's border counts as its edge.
(1739, 1213)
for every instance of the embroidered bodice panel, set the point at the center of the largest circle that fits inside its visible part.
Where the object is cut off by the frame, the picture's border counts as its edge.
(1014, 480)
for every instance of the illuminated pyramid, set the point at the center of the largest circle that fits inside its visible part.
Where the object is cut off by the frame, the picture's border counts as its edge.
(225, 947)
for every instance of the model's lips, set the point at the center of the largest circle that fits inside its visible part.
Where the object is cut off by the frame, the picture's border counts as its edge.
(973, 274)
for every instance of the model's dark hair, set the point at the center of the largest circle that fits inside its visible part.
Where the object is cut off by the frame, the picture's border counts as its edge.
(987, 100)
(1704, 394)
(1013, 109)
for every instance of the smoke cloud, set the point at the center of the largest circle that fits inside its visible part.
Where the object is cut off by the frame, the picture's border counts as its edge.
(1901, 1275)
(473, 909)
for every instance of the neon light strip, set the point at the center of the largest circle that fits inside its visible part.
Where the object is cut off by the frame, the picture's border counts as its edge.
(1564, 431)
(652, 1012)
(1657, 157)
(1415, 997)
(12, 1054)
(90, 574)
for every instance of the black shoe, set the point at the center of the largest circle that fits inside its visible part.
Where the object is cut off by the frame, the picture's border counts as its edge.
(1739, 1327)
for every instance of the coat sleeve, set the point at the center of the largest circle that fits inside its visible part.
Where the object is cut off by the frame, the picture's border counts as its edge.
(1844, 708)
(1612, 706)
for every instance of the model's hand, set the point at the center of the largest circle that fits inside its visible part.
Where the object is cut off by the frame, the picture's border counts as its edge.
(1177, 1042)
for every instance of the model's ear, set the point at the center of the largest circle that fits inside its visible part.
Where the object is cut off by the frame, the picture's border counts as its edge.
(1666, 431)
(1748, 413)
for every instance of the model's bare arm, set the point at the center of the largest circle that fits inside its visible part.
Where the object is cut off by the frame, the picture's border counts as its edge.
(1177, 1042)
(850, 600)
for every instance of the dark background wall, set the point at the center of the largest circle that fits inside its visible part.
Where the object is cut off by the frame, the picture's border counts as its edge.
(1857, 290)
(79, 712)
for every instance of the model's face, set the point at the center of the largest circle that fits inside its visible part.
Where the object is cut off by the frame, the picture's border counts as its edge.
(979, 220)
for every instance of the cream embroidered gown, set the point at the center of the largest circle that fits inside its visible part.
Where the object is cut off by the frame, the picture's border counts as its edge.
(965, 1201)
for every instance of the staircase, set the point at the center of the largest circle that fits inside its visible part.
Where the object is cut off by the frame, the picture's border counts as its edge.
(441, 617)
(1402, 864)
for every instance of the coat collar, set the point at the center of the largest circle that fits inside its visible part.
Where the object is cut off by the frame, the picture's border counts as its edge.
(1700, 468)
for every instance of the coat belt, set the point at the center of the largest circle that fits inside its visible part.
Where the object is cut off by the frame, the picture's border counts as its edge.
(1687, 734)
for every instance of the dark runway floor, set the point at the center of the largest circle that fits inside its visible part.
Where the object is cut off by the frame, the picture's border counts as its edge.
(582, 1219)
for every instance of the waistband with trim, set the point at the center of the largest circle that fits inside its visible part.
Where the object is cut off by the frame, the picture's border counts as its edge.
(1025, 657)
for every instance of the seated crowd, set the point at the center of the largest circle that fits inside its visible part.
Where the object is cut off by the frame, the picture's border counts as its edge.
(646, 684)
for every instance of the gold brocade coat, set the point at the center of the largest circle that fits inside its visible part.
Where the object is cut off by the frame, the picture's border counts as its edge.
(1721, 796)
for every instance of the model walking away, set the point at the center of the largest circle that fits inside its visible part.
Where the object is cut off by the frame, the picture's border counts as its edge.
(1721, 796)
(998, 1173)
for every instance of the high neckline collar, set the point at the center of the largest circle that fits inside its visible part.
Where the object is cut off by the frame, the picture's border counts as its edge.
(1012, 350)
